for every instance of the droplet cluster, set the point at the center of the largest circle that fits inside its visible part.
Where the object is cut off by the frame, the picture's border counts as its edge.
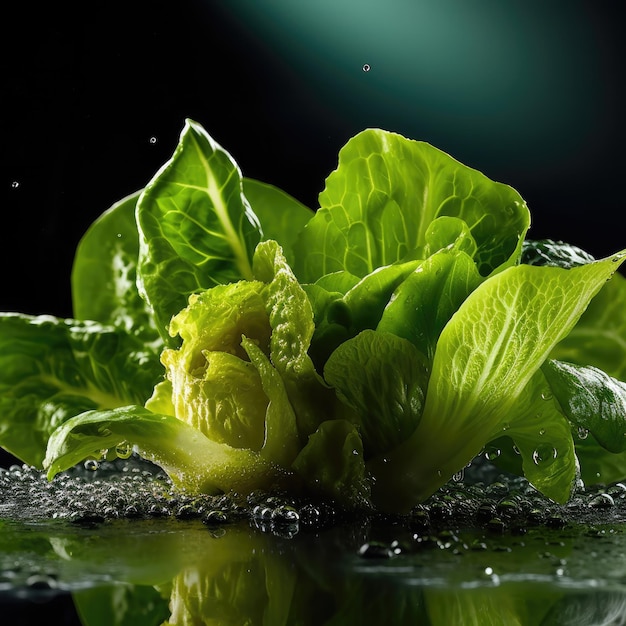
(132, 488)
(93, 493)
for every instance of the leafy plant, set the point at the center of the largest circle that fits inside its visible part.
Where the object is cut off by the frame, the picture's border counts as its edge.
(365, 352)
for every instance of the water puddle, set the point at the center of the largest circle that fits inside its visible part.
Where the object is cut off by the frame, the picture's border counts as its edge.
(119, 547)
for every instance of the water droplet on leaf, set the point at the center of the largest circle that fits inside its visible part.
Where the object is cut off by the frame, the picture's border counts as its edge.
(544, 455)
(123, 450)
(492, 453)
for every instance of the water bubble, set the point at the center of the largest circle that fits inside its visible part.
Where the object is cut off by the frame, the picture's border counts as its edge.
(375, 550)
(131, 511)
(583, 433)
(602, 501)
(153, 140)
(262, 512)
(91, 464)
(542, 431)
(496, 525)
(367, 67)
(15, 184)
(546, 395)
(41, 582)
(187, 511)
(285, 514)
(458, 476)
(215, 517)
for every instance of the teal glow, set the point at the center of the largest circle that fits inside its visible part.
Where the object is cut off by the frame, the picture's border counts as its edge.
(508, 72)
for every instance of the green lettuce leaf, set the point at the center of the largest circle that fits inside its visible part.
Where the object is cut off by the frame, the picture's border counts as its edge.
(196, 227)
(481, 367)
(424, 303)
(542, 441)
(331, 464)
(214, 386)
(291, 320)
(104, 273)
(194, 462)
(592, 400)
(281, 216)
(380, 201)
(599, 337)
(383, 379)
(280, 437)
(52, 369)
(554, 253)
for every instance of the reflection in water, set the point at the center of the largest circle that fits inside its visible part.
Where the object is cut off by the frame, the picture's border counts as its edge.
(151, 573)
(472, 556)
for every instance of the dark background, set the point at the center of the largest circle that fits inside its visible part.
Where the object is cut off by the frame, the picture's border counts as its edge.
(95, 94)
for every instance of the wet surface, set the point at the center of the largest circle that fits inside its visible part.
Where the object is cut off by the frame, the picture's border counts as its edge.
(121, 536)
